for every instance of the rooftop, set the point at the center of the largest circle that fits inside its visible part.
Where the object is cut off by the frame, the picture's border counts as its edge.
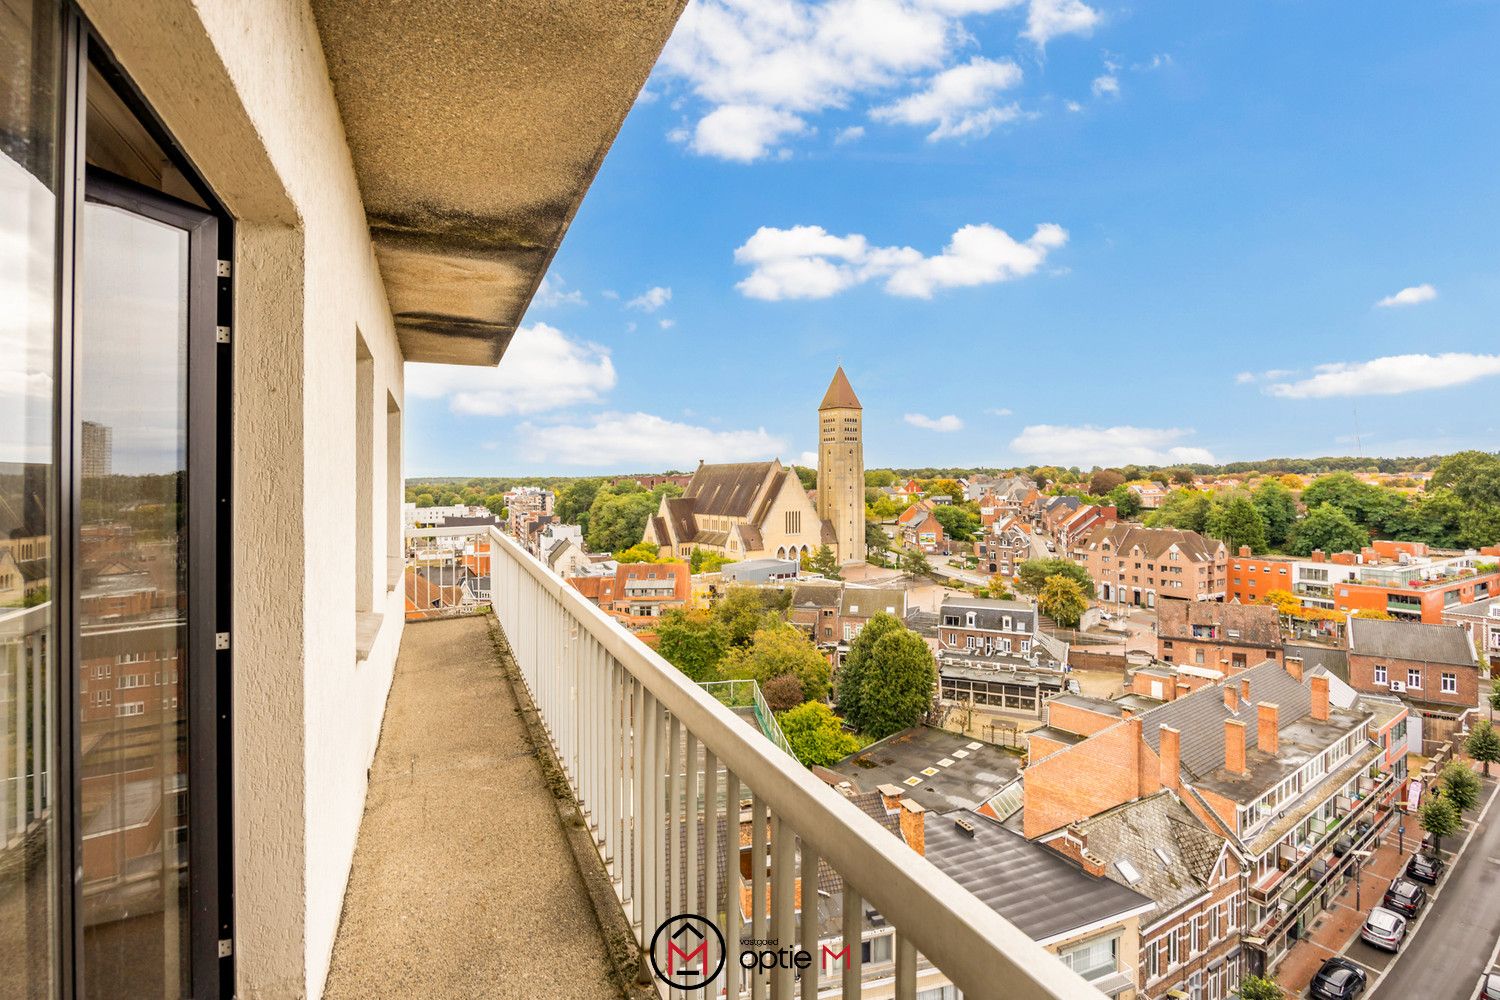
(963, 772)
(1412, 641)
(1164, 843)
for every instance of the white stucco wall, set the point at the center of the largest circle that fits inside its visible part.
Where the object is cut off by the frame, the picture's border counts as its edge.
(244, 89)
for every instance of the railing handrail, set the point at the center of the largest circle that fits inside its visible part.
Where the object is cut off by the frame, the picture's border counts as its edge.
(974, 946)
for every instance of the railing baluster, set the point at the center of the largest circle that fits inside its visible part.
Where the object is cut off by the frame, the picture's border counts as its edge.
(645, 836)
(732, 877)
(809, 924)
(906, 968)
(658, 831)
(690, 902)
(671, 885)
(758, 920)
(783, 901)
(710, 902)
(854, 928)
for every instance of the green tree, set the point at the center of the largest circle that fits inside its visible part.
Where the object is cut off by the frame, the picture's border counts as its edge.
(825, 562)
(1182, 476)
(914, 563)
(1328, 528)
(1494, 697)
(1439, 817)
(958, 523)
(1278, 509)
(743, 611)
(1260, 988)
(425, 500)
(808, 477)
(1125, 502)
(1182, 508)
(887, 679)
(783, 692)
(641, 552)
(880, 478)
(778, 649)
(1064, 600)
(1460, 785)
(816, 735)
(1032, 575)
(1237, 521)
(877, 542)
(618, 520)
(855, 666)
(1483, 744)
(1473, 476)
(572, 503)
(694, 642)
(495, 504)
(945, 487)
(1104, 480)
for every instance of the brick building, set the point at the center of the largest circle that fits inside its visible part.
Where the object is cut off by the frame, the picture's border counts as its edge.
(1224, 637)
(1433, 668)
(1007, 543)
(638, 593)
(1481, 620)
(1132, 565)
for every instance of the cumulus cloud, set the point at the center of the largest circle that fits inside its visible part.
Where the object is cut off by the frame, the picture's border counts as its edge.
(1414, 295)
(651, 299)
(743, 132)
(1087, 445)
(542, 370)
(1244, 377)
(1048, 19)
(958, 102)
(554, 291)
(667, 324)
(851, 134)
(1108, 84)
(945, 424)
(1390, 376)
(641, 440)
(808, 262)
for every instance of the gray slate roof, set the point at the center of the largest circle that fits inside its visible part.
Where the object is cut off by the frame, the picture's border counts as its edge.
(1045, 895)
(1331, 658)
(866, 602)
(990, 612)
(1410, 641)
(1135, 832)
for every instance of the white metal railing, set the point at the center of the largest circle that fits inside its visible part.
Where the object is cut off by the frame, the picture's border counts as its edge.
(25, 733)
(452, 569)
(658, 763)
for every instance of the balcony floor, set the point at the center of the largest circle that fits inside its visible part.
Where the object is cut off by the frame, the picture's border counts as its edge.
(463, 883)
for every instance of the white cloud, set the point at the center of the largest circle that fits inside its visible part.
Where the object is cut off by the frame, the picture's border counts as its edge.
(651, 299)
(945, 424)
(554, 291)
(1003, 411)
(1087, 445)
(958, 102)
(1106, 84)
(615, 440)
(743, 132)
(667, 324)
(542, 369)
(1047, 19)
(808, 459)
(808, 262)
(851, 134)
(1415, 295)
(1390, 376)
(1073, 106)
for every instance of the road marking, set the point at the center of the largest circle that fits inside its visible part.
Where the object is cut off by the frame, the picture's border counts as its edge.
(1436, 892)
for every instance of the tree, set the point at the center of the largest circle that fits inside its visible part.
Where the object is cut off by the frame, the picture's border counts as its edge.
(1328, 528)
(707, 561)
(945, 487)
(914, 563)
(573, 501)
(1238, 522)
(999, 587)
(1495, 697)
(1473, 476)
(1064, 600)
(825, 562)
(958, 523)
(1377, 614)
(778, 649)
(495, 504)
(808, 477)
(694, 642)
(1104, 480)
(1460, 785)
(618, 520)
(1439, 818)
(743, 611)
(894, 677)
(1287, 603)
(1182, 508)
(1182, 476)
(783, 692)
(1483, 744)
(1291, 481)
(880, 478)
(641, 552)
(1032, 575)
(425, 500)
(1125, 501)
(1278, 509)
(816, 735)
(1260, 988)
(877, 542)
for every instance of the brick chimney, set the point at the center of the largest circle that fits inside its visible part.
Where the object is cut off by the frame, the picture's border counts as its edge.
(1294, 667)
(1074, 843)
(1245, 691)
(1232, 697)
(1245, 552)
(1318, 555)
(1171, 757)
(890, 797)
(914, 826)
(1320, 698)
(1234, 745)
(1267, 730)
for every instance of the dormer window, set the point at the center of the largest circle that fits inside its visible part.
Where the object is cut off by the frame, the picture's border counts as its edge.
(970, 619)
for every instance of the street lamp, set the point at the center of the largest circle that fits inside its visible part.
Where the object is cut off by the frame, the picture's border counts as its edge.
(1359, 864)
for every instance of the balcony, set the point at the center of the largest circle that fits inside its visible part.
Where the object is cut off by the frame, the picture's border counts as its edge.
(463, 872)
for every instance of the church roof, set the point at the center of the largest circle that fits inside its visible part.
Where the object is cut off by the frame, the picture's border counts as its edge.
(840, 395)
(727, 490)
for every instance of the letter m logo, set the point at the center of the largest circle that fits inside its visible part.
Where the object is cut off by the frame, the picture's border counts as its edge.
(674, 953)
(836, 956)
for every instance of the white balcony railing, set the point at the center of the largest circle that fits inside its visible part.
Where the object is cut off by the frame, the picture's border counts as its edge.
(656, 762)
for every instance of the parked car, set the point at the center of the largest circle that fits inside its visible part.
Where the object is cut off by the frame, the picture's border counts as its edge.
(1405, 897)
(1384, 929)
(1425, 868)
(1489, 985)
(1337, 979)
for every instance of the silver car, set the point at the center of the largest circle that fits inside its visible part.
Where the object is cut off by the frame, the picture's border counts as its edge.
(1384, 929)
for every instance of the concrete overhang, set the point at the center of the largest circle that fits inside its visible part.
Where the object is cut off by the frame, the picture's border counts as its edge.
(475, 127)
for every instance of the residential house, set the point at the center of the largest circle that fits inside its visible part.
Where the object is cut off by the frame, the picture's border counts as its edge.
(638, 593)
(992, 654)
(1434, 668)
(858, 604)
(925, 532)
(1481, 620)
(1226, 637)
(1137, 566)
(1007, 543)
(815, 610)
(1150, 495)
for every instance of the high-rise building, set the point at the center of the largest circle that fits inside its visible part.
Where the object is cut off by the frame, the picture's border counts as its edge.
(841, 467)
(98, 451)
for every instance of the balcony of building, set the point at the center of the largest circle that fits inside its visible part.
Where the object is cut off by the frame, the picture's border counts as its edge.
(527, 746)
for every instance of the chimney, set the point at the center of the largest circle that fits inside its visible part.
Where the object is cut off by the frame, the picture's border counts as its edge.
(914, 826)
(890, 797)
(1245, 690)
(1244, 552)
(1294, 667)
(1234, 746)
(1320, 698)
(1266, 729)
(1171, 755)
(1231, 697)
(1318, 555)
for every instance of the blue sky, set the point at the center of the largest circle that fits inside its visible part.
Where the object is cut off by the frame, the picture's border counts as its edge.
(1033, 231)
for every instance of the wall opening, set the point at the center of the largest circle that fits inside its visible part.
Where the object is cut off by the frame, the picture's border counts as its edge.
(364, 476)
(395, 493)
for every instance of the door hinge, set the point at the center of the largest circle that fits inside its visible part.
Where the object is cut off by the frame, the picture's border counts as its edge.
(221, 334)
(226, 947)
(221, 640)
(224, 269)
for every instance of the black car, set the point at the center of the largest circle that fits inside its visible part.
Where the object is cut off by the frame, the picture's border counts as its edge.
(1405, 897)
(1337, 979)
(1425, 868)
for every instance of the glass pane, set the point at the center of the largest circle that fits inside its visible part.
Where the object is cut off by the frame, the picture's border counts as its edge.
(29, 43)
(132, 704)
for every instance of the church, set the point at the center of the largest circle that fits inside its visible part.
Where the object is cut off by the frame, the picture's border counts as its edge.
(758, 510)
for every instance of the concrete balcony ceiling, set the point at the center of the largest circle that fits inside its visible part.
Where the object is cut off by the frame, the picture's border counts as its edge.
(476, 126)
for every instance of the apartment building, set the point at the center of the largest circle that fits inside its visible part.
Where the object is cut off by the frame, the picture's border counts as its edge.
(637, 594)
(1006, 543)
(1224, 637)
(1137, 566)
(990, 653)
(1433, 668)
(832, 613)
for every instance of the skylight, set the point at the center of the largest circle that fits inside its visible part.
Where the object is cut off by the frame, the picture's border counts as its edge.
(1128, 871)
(1162, 854)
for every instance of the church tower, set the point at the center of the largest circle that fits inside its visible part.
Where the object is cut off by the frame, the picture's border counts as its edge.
(841, 468)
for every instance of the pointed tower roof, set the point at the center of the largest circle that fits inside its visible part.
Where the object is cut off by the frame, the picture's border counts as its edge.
(840, 394)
